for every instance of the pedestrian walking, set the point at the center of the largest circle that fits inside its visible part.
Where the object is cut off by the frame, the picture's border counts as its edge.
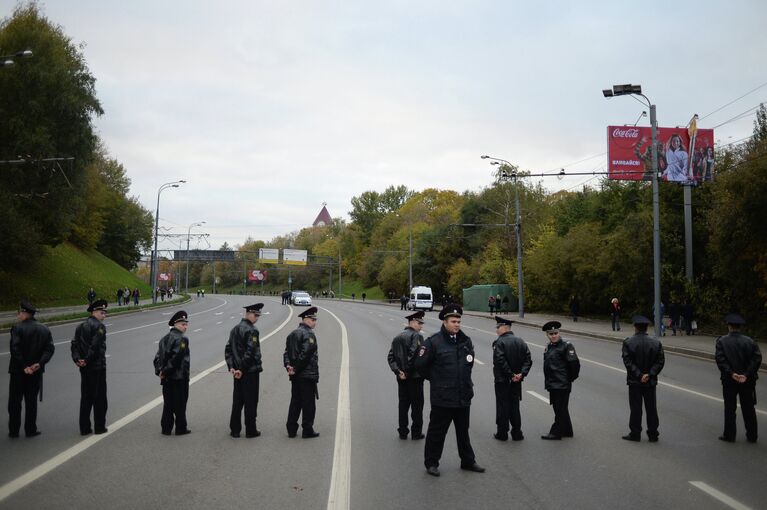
(89, 353)
(243, 358)
(575, 307)
(738, 358)
(31, 348)
(615, 313)
(673, 312)
(687, 313)
(511, 364)
(404, 349)
(403, 302)
(644, 359)
(491, 304)
(446, 358)
(91, 296)
(301, 361)
(172, 364)
(120, 293)
(560, 368)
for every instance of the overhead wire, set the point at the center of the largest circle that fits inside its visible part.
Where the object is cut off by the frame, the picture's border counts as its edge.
(734, 101)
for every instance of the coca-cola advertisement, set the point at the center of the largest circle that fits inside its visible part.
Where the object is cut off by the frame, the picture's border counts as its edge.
(685, 155)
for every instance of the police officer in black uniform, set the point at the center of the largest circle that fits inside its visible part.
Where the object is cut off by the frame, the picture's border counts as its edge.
(511, 364)
(31, 348)
(644, 359)
(172, 365)
(302, 364)
(446, 359)
(738, 358)
(89, 352)
(560, 368)
(404, 349)
(243, 357)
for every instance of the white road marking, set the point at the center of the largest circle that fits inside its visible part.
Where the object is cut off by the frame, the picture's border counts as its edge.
(724, 498)
(107, 355)
(538, 396)
(339, 494)
(477, 361)
(51, 464)
(219, 322)
(219, 313)
(196, 330)
(108, 324)
(167, 313)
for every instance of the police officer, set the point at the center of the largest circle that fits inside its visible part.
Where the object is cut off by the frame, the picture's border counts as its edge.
(644, 359)
(446, 359)
(243, 357)
(302, 364)
(172, 365)
(89, 353)
(738, 358)
(31, 348)
(511, 364)
(560, 368)
(404, 349)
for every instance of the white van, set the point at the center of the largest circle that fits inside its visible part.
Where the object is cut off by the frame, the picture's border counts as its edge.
(421, 298)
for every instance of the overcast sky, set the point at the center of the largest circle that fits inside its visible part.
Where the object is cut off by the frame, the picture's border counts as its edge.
(269, 109)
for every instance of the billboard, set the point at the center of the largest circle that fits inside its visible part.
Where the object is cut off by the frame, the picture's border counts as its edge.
(294, 257)
(256, 275)
(204, 255)
(268, 255)
(164, 277)
(684, 156)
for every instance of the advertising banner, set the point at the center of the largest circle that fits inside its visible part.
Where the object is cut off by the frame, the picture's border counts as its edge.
(256, 275)
(294, 257)
(164, 277)
(684, 156)
(268, 255)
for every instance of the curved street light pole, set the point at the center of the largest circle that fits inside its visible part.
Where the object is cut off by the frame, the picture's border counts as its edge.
(188, 234)
(154, 261)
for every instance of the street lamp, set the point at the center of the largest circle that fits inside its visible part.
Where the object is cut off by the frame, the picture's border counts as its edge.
(7, 60)
(636, 90)
(517, 228)
(153, 268)
(188, 233)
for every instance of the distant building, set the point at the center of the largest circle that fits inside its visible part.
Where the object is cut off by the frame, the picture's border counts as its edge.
(323, 218)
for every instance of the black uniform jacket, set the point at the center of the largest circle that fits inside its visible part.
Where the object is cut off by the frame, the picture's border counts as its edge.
(560, 365)
(643, 354)
(447, 363)
(404, 349)
(31, 343)
(301, 353)
(510, 356)
(172, 357)
(243, 350)
(90, 344)
(738, 354)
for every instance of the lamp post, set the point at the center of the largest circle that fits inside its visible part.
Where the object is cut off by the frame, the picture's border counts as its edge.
(8, 60)
(636, 90)
(153, 268)
(188, 234)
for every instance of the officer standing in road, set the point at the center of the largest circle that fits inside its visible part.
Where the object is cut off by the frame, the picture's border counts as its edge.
(302, 364)
(644, 359)
(511, 364)
(560, 368)
(404, 349)
(738, 358)
(243, 357)
(89, 352)
(172, 364)
(31, 348)
(446, 359)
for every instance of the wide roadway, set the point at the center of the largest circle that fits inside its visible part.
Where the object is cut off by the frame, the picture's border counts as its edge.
(135, 466)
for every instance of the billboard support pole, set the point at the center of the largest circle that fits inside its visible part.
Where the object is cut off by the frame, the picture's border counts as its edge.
(655, 219)
(688, 232)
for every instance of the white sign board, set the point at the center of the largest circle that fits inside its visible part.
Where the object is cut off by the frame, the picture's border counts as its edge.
(294, 257)
(269, 255)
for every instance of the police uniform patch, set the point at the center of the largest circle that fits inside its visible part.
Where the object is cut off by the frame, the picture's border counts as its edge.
(311, 340)
(422, 351)
(183, 345)
(469, 358)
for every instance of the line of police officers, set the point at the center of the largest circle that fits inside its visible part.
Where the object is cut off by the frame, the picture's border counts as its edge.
(446, 358)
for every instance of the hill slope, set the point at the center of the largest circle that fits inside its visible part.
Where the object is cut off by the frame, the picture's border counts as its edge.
(63, 275)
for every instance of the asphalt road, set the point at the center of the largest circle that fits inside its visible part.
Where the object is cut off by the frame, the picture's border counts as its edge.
(358, 461)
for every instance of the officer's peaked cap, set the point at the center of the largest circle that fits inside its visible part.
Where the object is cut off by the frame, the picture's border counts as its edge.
(451, 310)
(734, 319)
(99, 304)
(417, 316)
(551, 325)
(640, 319)
(180, 316)
(309, 313)
(501, 321)
(256, 308)
(26, 307)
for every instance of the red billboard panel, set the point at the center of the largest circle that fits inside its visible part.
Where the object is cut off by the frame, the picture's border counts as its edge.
(681, 158)
(255, 275)
(164, 277)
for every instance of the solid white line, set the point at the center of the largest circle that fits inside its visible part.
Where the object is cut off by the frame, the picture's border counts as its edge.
(51, 464)
(724, 498)
(477, 361)
(339, 494)
(538, 396)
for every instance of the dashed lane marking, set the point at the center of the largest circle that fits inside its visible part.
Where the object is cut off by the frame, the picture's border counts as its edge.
(721, 496)
(219, 322)
(538, 396)
(196, 330)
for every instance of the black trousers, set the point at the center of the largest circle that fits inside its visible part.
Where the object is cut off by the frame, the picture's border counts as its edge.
(637, 394)
(245, 394)
(25, 388)
(410, 392)
(747, 394)
(302, 395)
(175, 393)
(439, 423)
(507, 396)
(93, 396)
(562, 425)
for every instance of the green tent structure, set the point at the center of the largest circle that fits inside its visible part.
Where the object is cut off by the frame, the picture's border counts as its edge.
(475, 297)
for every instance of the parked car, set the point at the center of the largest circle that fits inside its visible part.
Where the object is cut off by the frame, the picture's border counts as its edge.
(302, 298)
